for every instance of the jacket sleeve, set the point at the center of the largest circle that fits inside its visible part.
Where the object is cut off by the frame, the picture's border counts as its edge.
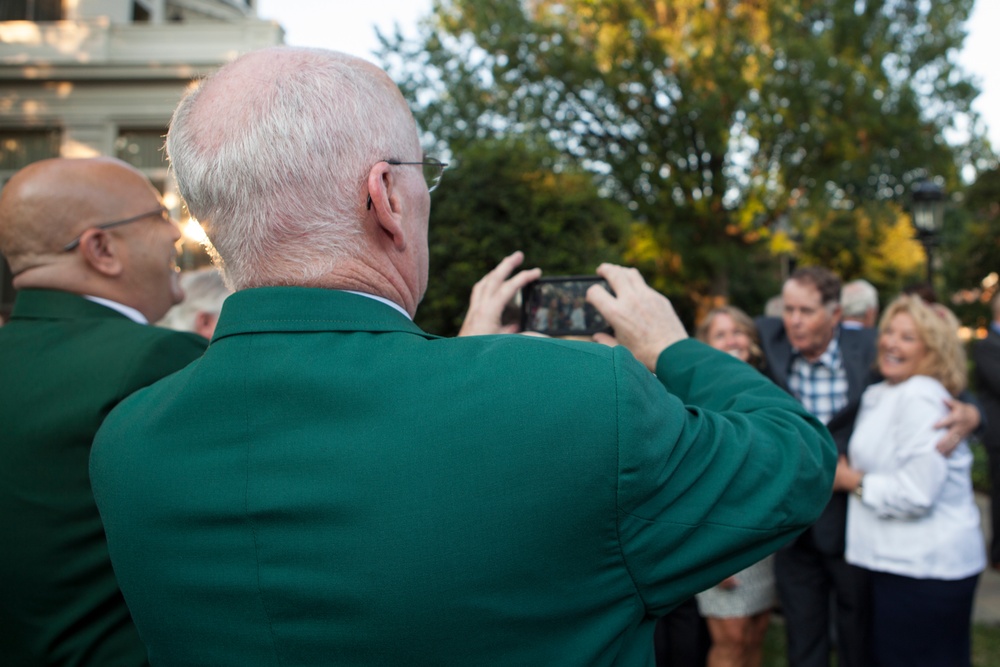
(725, 470)
(909, 490)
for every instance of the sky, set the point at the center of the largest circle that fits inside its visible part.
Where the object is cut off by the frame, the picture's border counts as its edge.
(349, 26)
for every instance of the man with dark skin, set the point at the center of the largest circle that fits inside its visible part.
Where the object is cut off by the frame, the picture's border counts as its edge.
(93, 254)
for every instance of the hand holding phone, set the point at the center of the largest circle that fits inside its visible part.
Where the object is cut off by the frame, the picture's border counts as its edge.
(644, 320)
(492, 293)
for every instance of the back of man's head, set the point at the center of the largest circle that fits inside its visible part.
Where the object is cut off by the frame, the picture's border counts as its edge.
(826, 282)
(996, 306)
(271, 154)
(204, 292)
(49, 202)
(859, 301)
(92, 226)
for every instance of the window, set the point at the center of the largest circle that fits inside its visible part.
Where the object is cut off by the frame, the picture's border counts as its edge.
(142, 148)
(140, 14)
(19, 148)
(31, 10)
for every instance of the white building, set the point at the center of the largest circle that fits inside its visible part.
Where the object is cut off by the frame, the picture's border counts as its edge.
(102, 77)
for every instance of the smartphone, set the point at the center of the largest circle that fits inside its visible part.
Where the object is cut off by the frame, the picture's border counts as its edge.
(557, 306)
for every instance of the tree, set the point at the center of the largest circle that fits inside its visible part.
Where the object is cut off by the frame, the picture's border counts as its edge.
(709, 119)
(505, 195)
(974, 232)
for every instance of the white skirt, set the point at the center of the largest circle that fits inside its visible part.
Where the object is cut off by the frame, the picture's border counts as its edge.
(754, 593)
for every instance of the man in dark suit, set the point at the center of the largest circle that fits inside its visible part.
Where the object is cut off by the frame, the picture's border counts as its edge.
(356, 491)
(987, 357)
(92, 251)
(827, 367)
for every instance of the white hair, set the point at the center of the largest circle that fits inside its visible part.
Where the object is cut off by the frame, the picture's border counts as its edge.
(204, 292)
(857, 298)
(272, 152)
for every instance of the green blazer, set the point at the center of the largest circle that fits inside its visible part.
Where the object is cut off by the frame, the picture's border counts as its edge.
(66, 362)
(330, 485)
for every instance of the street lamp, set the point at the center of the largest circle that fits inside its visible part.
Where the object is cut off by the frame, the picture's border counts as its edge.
(927, 215)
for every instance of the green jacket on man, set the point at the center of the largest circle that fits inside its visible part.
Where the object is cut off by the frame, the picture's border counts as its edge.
(65, 363)
(330, 485)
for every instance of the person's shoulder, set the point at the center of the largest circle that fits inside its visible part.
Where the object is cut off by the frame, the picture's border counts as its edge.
(769, 327)
(771, 332)
(182, 342)
(861, 334)
(923, 386)
(859, 344)
(543, 360)
(535, 346)
(989, 342)
(150, 353)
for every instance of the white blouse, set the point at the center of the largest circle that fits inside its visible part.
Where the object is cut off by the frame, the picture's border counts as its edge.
(917, 517)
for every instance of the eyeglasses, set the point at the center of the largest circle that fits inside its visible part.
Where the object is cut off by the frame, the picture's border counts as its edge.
(433, 169)
(161, 211)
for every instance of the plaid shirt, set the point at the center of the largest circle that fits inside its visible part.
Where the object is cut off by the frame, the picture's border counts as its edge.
(821, 385)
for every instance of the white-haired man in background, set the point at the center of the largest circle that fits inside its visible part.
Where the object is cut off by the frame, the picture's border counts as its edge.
(858, 305)
(204, 293)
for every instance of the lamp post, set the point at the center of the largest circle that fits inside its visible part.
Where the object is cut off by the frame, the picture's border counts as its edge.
(927, 216)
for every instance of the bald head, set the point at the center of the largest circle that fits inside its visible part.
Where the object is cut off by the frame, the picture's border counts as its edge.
(49, 203)
(272, 154)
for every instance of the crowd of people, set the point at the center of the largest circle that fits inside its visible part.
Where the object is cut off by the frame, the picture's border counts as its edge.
(889, 562)
(325, 483)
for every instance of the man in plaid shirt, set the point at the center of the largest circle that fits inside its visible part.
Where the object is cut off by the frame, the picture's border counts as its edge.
(827, 367)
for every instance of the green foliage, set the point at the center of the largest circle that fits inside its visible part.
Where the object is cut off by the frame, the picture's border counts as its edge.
(974, 236)
(985, 645)
(709, 121)
(503, 196)
(875, 243)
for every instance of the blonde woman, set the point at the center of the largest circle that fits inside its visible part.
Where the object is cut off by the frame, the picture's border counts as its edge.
(912, 520)
(737, 610)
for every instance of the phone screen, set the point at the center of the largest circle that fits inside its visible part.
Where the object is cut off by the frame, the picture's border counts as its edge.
(557, 306)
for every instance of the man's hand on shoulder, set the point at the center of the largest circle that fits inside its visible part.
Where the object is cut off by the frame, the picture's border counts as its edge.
(492, 293)
(961, 421)
(643, 319)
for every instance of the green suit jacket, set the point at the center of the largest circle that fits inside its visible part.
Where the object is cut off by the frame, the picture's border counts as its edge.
(65, 362)
(330, 485)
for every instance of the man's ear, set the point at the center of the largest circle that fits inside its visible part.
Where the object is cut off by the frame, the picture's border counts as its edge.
(204, 323)
(385, 205)
(99, 251)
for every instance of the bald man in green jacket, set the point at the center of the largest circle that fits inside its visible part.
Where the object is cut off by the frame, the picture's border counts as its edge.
(92, 250)
(331, 485)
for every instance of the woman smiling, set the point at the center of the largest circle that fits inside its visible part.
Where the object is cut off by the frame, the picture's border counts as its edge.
(738, 609)
(912, 519)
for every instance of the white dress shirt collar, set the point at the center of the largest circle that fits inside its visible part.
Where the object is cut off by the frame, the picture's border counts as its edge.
(127, 311)
(383, 300)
